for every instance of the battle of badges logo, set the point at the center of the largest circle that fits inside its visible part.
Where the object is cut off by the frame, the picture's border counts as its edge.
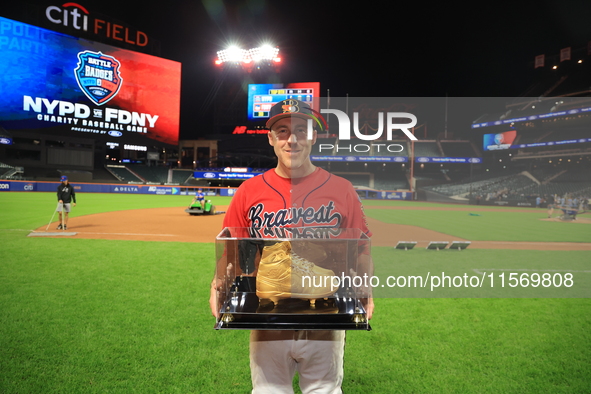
(98, 76)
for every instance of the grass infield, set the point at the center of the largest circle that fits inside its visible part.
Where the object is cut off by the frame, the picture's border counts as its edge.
(99, 316)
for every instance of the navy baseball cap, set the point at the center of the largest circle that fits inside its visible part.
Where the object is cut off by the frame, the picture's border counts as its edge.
(64, 178)
(297, 108)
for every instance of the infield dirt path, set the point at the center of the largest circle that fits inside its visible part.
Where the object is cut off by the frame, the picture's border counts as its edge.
(175, 225)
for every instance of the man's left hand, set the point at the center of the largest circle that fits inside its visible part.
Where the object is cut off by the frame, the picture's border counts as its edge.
(369, 307)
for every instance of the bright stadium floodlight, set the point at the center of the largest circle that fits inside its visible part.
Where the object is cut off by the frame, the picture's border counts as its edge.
(237, 54)
(232, 54)
(265, 52)
(242, 56)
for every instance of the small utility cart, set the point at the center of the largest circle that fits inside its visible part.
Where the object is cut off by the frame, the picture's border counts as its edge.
(197, 209)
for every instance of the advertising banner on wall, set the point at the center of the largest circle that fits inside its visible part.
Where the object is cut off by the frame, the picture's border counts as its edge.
(67, 86)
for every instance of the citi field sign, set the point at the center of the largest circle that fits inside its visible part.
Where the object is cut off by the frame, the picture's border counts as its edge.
(76, 17)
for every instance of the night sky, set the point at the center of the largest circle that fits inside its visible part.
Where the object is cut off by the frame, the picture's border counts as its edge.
(371, 48)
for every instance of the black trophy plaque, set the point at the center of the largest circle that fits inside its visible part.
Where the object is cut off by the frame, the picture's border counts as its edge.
(242, 309)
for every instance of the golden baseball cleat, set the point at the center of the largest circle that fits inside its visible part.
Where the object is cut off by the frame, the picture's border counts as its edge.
(284, 274)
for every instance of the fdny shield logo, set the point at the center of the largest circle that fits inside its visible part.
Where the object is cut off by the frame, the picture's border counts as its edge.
(98, 76)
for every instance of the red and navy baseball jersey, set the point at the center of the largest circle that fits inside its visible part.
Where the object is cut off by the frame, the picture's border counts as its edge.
(320, 199)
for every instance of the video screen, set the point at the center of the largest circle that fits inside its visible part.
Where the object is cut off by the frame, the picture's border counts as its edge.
(261, 97)
(499, 141)
(63, 85)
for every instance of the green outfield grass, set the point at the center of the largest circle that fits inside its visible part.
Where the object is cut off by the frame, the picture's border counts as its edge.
(97, 316)
(494, 266)
(420, 204)
(424, 204)
(504, 224)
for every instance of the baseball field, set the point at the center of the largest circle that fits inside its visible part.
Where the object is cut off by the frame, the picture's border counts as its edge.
(122, 306)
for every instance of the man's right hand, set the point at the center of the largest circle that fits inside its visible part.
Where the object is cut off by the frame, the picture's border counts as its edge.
(216, 285)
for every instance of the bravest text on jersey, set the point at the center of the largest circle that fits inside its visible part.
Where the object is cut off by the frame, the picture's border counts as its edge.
(323, 215)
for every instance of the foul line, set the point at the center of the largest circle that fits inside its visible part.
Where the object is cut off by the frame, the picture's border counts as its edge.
(124, 234)
(132, 234)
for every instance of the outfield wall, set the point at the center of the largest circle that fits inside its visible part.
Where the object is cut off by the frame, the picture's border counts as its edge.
(37, 186)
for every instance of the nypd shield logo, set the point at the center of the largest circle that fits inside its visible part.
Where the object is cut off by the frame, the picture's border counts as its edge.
(98, 76)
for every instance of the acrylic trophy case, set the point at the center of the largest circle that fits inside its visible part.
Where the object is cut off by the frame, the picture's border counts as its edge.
(310, 278)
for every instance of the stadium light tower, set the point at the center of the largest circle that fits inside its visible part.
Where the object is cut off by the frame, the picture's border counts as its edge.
(233, 54)
(249, 58)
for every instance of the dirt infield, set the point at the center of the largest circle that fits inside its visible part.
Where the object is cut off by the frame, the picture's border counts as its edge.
(175, 225)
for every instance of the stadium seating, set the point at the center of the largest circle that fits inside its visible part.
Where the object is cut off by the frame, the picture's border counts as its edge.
(123, 174)
(521, 185)
(560, 189)
(545, 173)
(181, 176)
(356, 179)
(391, 184)
(427, 149)
(491, 187)
(458, 149)
(151, 174)
(574, 175)
(9, 172)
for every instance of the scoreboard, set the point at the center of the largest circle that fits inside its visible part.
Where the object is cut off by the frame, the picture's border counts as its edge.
(499, 141)
(261, 97)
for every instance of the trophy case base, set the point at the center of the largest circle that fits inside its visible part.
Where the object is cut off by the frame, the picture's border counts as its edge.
(242, 309)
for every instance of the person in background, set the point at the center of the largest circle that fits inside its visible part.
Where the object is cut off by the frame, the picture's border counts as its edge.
(200, 198)
(65, 196)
